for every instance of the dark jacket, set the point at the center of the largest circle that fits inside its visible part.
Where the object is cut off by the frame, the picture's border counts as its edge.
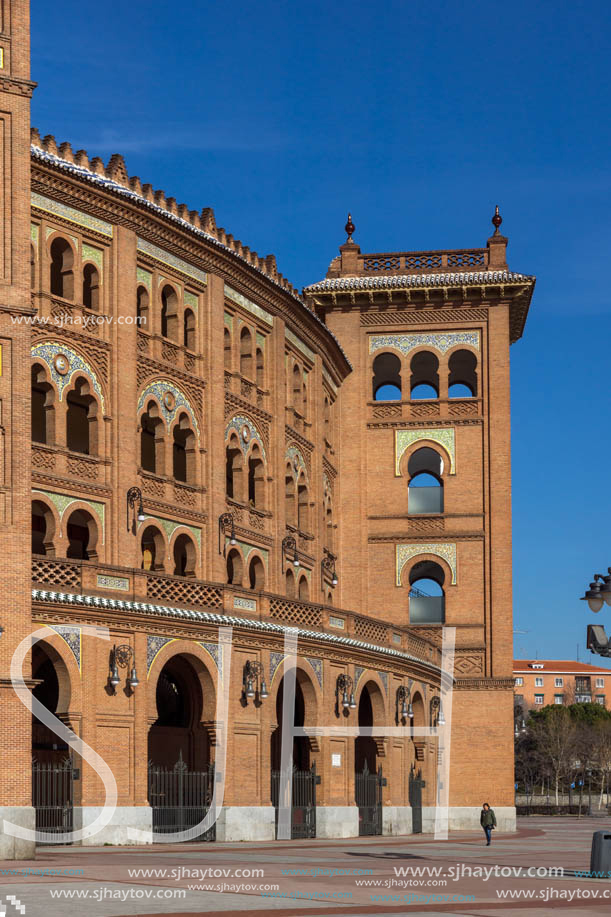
(487, 818)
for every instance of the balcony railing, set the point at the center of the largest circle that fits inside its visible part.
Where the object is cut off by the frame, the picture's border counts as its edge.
(90, 577)
(427, 262)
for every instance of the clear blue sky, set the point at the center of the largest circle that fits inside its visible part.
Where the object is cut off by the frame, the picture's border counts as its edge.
(418, 117)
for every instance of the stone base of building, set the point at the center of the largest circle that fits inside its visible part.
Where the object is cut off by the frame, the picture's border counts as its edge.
(337, 821)
(246, 823)
(396, 820)
(17, 848)
(124, 820)
(466, 818)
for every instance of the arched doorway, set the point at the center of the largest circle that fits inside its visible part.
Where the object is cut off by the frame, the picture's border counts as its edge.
(368, 779)
(52, 771)
(180, 774)
(304, 777)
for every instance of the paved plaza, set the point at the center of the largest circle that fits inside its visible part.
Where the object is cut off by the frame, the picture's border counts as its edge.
(457, 876)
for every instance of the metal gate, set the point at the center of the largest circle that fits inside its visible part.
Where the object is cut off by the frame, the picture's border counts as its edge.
(416, 783)
(368, 792)
(52, 796)
(180, 798)
(303, 801)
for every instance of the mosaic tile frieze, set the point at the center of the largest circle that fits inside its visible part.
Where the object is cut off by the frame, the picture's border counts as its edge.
(249, 305)
(154, 645)
(440, 341)
(72, 215)
(260, 338)
(144, 278)
(317, 666)
(299, 344)
(96, 255)
(247, 549)
(216, 653)
(295, 459)
(171, 401)
(71, 637)
(62, 502)
(275, 660)
(191, 301)
(247, 433)
(63, 364)
(405, 552)
(383, 676)
(406, 438)
(153, 251)
(228, 319)
(246, 604)
(34, 233)
(169, 526)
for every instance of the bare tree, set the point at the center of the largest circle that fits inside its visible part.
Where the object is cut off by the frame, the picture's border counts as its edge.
(556, 738)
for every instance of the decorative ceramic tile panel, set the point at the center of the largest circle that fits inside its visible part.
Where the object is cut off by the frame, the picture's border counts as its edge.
(299, 344)
(63, 363)
(172, 261)
(145, 278)
(337, 622)
(90, 253)
(169, 526)
(260, 338)
(154, 645)
(440, 341)
(358, 674)
(296, 461)
(383, 676)
(34, 232)
(62, 502)
(228, 319)
(112, 582)
(72, 215)
(249, 305)
(247, 604)
(405, 438)
(317, 666)
(191, 301)
(247, 433)
(275, 660)
(406, 552)
(71, 637)
(247, 548)
(171, 401)
(215, 651)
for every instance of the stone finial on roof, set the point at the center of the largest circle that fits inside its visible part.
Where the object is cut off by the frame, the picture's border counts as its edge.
(497, 219)
(350, 228)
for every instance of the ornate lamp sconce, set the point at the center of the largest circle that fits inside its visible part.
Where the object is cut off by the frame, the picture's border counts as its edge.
(327, 570)
(121, 657)
(344, 686)
(289, 552)
(134, 515)
(437, 717)
(226, 527)
(403, 705)
(253, 681)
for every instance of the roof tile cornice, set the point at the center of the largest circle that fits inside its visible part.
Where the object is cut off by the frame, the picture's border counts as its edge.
(403, 281)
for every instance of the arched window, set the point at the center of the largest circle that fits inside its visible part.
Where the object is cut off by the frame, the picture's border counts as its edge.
(183, 451)
(234, 464)
(256, 479)
(426, 595)
(227, 348)
(91, 287)
(297, 389)
(425, 488)
(185, 556)
(235, 568)
(424, 379)
(290, 584)
(246, 353)
(142, 308)
(43, 529)
(32, 267)
(256, 574)
(260, 369)
(152, 549)
(289, 497)
(189, 329)
(302, 505)
(62, 274)
(152, 441)
(169, 313)
(81, 419)
(462, 381)
(82, 534)
(43, 412)
(304, 589)
(387, 377)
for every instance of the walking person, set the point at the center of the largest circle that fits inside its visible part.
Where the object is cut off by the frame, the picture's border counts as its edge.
(487, 821)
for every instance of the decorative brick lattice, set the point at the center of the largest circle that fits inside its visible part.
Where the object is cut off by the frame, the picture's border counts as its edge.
(463, 408)
(417, 317)
(422, 261)
(80, 468)
(143, 343)
(466, 259)
(296, 612)
(153, 488)
(387, 410)
(169, 353)
(184, 495)
(469, 664)
(418, 647)
(425, 526)
(424, 410)
(42, 459)
(370, 630)
(189, 363)
(381, 264)
(56, 574)
(183, 592)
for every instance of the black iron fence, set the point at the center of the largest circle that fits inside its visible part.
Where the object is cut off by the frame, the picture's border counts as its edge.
(53, 796)
(368, 793)
(180, 798)
(303, 801)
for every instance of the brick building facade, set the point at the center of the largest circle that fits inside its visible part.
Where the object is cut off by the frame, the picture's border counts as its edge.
(336, 463)
(539, 682)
